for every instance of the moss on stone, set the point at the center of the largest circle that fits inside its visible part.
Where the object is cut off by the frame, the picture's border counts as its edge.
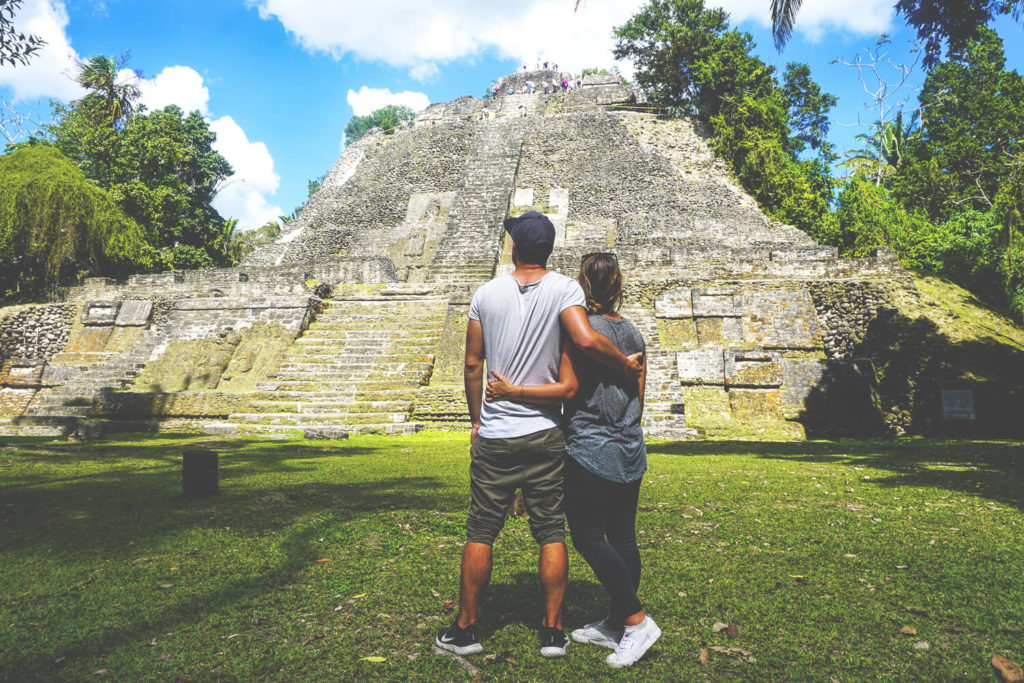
(188, 365)
(677, 334)
(256, 358)
(957, 313)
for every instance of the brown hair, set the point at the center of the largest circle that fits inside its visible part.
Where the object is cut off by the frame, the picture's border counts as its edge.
(601, 280)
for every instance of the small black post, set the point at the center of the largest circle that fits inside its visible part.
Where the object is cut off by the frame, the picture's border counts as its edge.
(199, 473)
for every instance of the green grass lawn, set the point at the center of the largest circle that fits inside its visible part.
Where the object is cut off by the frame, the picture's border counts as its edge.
(315, 555)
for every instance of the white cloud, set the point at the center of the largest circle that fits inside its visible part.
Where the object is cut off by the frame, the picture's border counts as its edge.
(424, 71)
(369, 100)
(49, 72)
(818, 17)
(180, 85)
(413, 35)
(244, 193)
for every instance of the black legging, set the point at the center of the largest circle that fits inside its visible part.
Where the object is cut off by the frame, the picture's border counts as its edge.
(597, 508)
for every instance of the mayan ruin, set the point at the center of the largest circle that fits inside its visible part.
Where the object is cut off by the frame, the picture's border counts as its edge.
(353, 320)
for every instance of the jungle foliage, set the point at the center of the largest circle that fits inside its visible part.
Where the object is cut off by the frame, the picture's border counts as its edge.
(158, 168)
(56, 224)
(386, 118)
(771, 131)
(942, 184)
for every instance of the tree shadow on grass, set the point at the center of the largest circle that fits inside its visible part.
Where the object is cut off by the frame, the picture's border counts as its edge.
(519, 600)
(991, 469)
(104, 521)
(237, 455)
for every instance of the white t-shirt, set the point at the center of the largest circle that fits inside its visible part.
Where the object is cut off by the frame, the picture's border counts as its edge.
(523, 342)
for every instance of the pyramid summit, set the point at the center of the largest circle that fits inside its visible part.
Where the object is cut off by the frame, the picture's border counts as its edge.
(354, 318)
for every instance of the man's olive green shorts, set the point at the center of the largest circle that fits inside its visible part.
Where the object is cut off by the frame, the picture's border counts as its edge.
(532, 463)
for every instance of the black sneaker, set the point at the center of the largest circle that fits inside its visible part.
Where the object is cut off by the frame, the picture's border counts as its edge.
(461, 641)
(552, 641)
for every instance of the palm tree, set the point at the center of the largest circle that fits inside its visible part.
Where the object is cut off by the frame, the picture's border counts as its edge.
(921, 15)
(783, 17)
(99, 75)
(884, 148)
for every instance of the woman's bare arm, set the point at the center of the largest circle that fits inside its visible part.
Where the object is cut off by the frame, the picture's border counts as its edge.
(500, 389)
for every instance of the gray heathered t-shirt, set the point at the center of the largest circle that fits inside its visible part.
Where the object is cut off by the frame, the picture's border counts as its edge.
(603, 421)
(522, 341)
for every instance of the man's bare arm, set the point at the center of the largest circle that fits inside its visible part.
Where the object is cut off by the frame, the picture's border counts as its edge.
(596, 345)
(474, 374)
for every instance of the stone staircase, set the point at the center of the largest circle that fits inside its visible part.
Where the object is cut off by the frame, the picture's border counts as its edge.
(664, 413)
(470, 246)
(81, 376)
(356, 368)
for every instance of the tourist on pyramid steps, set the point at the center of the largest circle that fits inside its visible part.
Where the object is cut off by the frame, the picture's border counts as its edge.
(545, 65)
(605, 464)
(516, 324)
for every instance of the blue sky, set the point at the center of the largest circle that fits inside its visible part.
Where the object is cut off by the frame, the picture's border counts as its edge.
(279, 79)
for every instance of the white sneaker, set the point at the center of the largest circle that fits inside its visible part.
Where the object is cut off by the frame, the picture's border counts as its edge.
(598, 633)
(635, 642)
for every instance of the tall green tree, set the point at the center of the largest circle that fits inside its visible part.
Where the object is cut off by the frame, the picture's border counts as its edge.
(160, 167)
(110, 100)
(688, 59)
(56, 225)
(386, 118)
(972, 124)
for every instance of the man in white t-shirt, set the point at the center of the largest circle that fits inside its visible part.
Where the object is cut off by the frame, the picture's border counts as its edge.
(516, 324)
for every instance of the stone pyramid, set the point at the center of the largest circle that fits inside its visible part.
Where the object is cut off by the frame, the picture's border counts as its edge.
(353, 320)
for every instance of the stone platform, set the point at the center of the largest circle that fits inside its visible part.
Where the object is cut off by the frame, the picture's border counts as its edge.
(354, 319)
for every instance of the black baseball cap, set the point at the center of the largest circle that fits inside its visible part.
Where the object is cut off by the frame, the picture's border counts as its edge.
(532, 233)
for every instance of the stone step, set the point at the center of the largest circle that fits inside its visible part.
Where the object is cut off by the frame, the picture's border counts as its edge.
(375, 336)
(356, 384)
(382, 310)
(333, 397)
(309, 419)
(389, 428)
(321, 407)
(374, 324)
(362, 370)
(321, 346)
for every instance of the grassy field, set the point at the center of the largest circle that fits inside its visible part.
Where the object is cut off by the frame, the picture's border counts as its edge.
(852, 560)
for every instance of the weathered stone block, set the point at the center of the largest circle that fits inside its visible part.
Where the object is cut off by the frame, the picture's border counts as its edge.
(22, 373)
(752, 370)
(523, 197)
(780, 318)
(327, 433)
(674, 304)
(719, 331)
(100, 312)
(703, 366)
(716, 302)
(677, 334)
(134, 312)
(14, 400)
(91, 339)
(756, 404)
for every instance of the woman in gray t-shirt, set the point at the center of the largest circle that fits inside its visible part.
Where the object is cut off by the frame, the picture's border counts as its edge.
(606, 460)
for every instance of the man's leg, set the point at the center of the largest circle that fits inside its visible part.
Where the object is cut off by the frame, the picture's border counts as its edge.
(554, 575)
(543, 494)
(476, 572)
(492, 484)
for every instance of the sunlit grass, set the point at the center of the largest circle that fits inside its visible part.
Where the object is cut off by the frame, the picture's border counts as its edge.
(318, 554)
